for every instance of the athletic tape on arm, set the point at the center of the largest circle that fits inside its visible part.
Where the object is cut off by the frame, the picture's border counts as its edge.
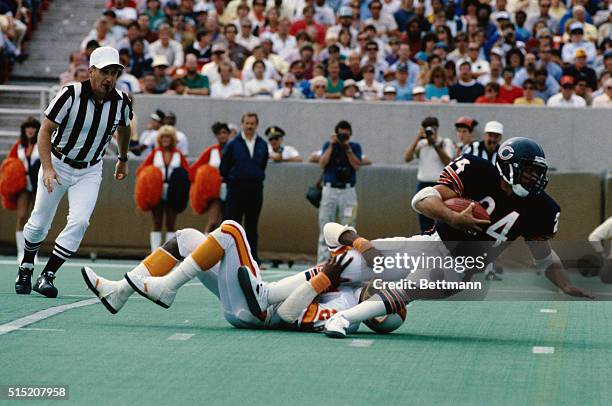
(544, 263)
(423, 194)
(297, 301)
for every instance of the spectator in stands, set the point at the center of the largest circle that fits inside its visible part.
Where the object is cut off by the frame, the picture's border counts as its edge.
(168, 47)
(529, 97)
(182, 143)
(372, 57)
(576, 42)
(579, 16)
(354, 67)
(461, 48)
(335, 85)
(350, 92)
(145, 29)
(155, 14)
(466, 90)
(318, 87)
(543, 15)
(125, 14)
(418, 94)
(139, 61)
(433, 153)
(148, 83)
(211, 69)
(162, 80)
(545, 55)
(246, 37)
(197, 84)
(177, 87)
(236, 52)
(495, 75)
(369, 88)
(243, 167)
(172, 164)
(283, 42)
(100, 33)
(202, 47)
(385, 23)
(401, 84)
(544, 86)
(464, 127)
(582, 89)
(580, 68)
(436, 90)
(389, 93)
(308, 24)
(507, 91)
(270, 72)
(491, 95)
(228, 86)
(605, 99)
(289, 90)
(276, 150)
(126, 81)
(567, 97)
(260, 87)
(478, 65)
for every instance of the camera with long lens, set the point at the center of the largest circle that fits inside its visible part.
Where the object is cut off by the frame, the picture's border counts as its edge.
(342, 137)
(429, 131)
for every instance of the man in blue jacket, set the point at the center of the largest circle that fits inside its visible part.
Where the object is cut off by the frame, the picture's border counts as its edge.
(243, 168)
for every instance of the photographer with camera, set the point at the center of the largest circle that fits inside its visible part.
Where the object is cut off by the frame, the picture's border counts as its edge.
(434, 153)
(340, 161)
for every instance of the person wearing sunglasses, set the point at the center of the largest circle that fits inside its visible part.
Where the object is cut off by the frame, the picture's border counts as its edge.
(566, 97)
(529, 97)
(605, 99)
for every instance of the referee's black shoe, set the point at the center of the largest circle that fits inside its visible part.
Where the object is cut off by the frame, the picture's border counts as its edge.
(23, 284)
(44, 285)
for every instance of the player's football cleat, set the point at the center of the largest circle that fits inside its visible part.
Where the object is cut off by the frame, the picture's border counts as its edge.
(107, 291)
(44, 285)
(153, 288)
(23, 284)
(336, 326)
(255, 292)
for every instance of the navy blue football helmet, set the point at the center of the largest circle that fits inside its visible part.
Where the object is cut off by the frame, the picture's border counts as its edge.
(522, 164)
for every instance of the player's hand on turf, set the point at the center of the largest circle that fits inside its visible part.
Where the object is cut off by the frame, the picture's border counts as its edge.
(466, 221)
(334, 268)
(121, 170)
(576, 292)
(49, 176)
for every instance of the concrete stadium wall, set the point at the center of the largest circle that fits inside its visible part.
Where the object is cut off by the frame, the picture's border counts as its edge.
(574, 139)
(289, 223)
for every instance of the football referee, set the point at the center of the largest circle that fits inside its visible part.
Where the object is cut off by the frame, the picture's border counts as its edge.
(78, 124)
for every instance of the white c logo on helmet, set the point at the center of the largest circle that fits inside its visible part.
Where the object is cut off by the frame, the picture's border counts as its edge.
(506, 152)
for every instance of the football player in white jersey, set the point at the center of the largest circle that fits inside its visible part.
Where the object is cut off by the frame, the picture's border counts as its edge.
(222, 261)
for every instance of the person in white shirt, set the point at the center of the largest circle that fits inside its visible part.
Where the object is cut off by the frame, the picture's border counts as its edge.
(168, 47)
(182, 143)
(276, 150)
(566, 97)
(604, 99)
(384, 23)
(600, 240)
(324, 14)
(368, 87)
(125, 15)
(282, 42)
(101, 34)
(260, 87)
(479, 66)
(228, 86)
(211, 69)
(246, 37)
(433, 153)
(577, 41)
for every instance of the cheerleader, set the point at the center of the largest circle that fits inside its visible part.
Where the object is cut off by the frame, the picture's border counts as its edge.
(205, 194)
(165, 160)
(18, 178)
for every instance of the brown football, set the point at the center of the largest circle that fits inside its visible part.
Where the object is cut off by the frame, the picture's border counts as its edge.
(459, 204)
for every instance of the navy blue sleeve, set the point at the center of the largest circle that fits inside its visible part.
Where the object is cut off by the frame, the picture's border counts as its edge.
(464, 173)
(543, 219)
(226, 159)
(357, 150)
(325, 146)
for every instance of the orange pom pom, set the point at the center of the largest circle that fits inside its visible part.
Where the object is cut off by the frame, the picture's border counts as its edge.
(205, 188)
(149, 187)
(9, 203)
(12, 177)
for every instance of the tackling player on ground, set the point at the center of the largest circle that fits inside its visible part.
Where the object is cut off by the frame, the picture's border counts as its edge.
(513, 194)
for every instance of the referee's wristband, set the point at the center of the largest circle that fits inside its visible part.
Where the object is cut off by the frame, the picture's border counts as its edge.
(122, 159)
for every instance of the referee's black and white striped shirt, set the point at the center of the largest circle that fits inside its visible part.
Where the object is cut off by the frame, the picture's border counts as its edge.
(478, 148)
(86, 126)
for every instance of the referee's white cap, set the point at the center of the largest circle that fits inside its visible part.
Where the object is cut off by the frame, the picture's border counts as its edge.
(103, 57)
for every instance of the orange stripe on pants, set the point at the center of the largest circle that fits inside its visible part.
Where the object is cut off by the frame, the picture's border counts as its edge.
(241, 246)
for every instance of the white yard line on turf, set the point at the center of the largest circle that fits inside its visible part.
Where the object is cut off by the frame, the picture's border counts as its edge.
(361, 343)
(42, 315)
(180, 337)
(40, 329)
(543, 350)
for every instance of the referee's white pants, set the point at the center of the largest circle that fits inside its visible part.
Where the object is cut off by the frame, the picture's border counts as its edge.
(82, 186)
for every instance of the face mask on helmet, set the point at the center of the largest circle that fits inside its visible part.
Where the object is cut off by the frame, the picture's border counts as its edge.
(525, 177)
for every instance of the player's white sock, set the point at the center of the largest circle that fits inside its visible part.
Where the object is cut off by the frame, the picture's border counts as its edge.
(20, 240)
(280, 290)
(169, 235)
(365, 310)
(155, 239)
(182, 274)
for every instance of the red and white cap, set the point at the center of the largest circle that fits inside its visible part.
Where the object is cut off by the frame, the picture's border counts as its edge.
(103, 57)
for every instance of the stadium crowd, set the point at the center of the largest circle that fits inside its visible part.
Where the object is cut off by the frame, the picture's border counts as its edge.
(18, 19)
(503, 51)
